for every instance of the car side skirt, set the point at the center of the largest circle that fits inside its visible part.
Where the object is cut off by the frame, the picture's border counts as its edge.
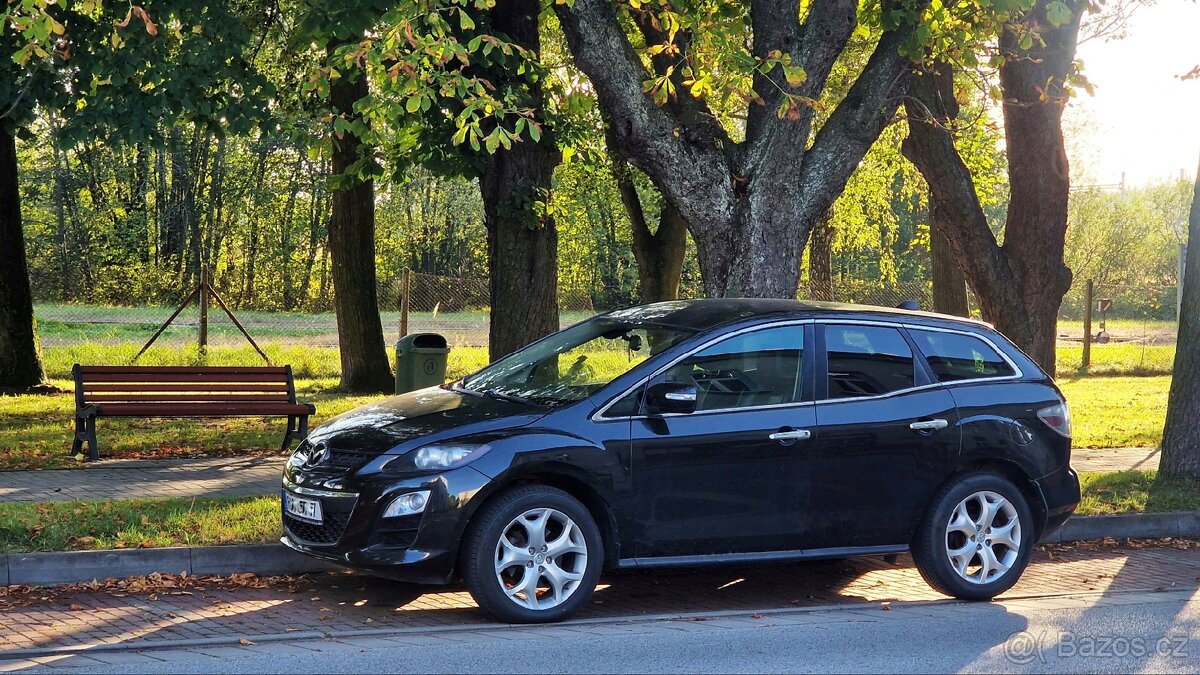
(761, 556)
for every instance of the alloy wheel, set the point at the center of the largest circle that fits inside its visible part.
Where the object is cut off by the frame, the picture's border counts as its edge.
(983, 537)
(540, 558)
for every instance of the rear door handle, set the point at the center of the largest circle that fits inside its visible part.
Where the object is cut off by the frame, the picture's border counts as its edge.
(794, 435)
(929, 425)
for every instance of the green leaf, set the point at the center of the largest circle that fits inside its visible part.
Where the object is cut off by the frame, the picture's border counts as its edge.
(465, 21)
(535, 131)
(413, 104)
(1057, 13)
(795, 75)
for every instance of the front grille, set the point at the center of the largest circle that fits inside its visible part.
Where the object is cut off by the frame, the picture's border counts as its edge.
(353, 461)
(328, 532)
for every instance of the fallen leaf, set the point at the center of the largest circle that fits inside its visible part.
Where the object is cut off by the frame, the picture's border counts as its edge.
(77, 608)
(244, 641)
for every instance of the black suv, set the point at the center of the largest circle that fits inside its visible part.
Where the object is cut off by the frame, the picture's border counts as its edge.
(693, 433)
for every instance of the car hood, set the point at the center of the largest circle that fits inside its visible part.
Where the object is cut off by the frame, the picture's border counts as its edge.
(432, 414)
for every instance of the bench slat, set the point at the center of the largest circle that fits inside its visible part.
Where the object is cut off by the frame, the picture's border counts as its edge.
(232, 398)
(158, 386)
(91, 378)
(202, 409)
(176, 370)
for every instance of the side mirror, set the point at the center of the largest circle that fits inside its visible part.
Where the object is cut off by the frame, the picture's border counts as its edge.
(670, 397)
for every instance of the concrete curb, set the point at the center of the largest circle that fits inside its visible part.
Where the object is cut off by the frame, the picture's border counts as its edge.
(1131, 526)
(67, 567)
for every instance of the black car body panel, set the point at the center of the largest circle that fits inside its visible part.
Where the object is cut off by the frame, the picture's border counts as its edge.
(695, 488)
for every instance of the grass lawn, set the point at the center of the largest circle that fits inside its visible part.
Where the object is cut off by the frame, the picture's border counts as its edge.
(1137, 492)
(137, 523)
(35, 431)
(72, 526)
(1111, 412)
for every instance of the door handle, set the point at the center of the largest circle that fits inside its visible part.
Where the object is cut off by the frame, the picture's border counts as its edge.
(929, 425)
(794, 435)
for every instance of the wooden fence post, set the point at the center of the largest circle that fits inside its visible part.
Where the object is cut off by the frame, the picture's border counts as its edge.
(1088, 302)
(407, 290)
(203, 312)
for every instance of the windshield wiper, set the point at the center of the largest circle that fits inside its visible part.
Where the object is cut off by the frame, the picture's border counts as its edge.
(499, 395)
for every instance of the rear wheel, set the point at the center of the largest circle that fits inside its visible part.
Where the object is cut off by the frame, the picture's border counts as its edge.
(533, 555)
(976, 539)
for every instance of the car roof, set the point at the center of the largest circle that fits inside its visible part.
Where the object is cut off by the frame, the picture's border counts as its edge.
(702, 314)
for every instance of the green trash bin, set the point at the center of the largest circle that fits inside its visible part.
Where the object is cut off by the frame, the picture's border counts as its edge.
(420, 361)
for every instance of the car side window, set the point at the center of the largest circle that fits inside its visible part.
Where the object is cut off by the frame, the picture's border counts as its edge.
(762, 367)
(867, 361)
(954, 357)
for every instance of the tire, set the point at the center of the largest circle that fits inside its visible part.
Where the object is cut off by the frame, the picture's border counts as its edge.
(499, 567)
(956, 515)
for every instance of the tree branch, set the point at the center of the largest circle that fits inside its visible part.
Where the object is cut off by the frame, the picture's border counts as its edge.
(815, 46)
(855, 124)
(693, 174)
(692, 113)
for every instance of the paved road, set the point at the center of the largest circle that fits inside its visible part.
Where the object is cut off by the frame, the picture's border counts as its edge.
(259, 475)
(1098, 633)
(101, 623)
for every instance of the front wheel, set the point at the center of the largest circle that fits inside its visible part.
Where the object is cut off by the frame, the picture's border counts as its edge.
(976, 539)
(533, 555)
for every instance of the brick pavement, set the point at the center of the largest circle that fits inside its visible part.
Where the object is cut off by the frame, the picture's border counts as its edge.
(249, 476)
(340, 603)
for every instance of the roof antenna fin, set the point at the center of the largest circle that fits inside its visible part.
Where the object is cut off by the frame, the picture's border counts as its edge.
(910, 305)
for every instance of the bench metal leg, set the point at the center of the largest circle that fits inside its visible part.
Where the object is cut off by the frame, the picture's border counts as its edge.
(297, 430)
(93, 445)
(80, 436)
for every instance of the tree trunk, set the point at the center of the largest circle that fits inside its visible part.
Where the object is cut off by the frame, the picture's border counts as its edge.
(20, 353)
(659, 254)
(522, 244)
(820, 259)
(1181, 434)
(365, 366)
(1019, 285)
(750, 205)
(949, 284)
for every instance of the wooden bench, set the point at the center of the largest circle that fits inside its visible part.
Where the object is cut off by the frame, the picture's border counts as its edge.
(185, 391)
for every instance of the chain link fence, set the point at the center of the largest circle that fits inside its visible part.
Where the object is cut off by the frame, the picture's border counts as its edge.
(1133, 327)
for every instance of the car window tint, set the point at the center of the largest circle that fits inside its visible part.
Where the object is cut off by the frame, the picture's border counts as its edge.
(752, 369)
(954, 356)
(627, 406)
(867, 361)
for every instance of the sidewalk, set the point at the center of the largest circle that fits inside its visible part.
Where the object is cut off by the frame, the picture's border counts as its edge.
(140, 478)
(336, 604)
(252, 476)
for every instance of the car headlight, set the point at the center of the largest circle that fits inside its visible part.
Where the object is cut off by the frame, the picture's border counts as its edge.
(448, 455)
(407, 504)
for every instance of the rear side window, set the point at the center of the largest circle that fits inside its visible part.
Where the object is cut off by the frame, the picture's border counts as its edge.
(954, 357)
(867, 361)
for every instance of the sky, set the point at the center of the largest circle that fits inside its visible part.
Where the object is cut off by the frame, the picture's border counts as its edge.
(1143, 119)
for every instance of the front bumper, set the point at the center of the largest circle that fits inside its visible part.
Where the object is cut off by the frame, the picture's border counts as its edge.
(421, 548)
(1060, 494)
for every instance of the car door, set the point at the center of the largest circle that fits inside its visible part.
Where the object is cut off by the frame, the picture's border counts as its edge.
(886, 436)
(725, 478)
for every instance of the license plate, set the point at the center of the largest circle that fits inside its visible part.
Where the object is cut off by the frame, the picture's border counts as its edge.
(304, 509)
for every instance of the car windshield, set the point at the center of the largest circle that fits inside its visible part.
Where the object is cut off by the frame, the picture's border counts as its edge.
(574, 363)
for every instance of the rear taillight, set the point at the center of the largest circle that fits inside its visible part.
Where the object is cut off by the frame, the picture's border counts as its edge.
(1057, 417)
